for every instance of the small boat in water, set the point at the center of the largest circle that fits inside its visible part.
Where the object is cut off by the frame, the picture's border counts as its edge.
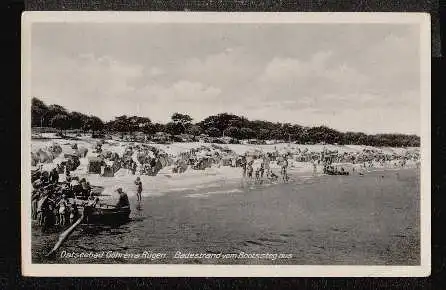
(105, 214)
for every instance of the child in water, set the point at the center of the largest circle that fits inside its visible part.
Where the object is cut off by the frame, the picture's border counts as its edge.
(249, 169)
(139, 188)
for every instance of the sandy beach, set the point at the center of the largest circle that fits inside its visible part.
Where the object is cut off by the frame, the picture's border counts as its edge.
(166, 181)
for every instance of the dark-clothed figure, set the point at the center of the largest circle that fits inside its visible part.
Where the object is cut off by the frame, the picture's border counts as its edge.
(74, 212)
(67, 174)
(249, 168)
(34, 203)
(244, 165)
(134, 166)
(76, 187)
(152, 165)
(42, 208)
(123, 198)
(54, 176)
(53, 212)
(44, 178)
(85, 188)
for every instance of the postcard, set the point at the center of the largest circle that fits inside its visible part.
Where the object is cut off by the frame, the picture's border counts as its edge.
(225, 144)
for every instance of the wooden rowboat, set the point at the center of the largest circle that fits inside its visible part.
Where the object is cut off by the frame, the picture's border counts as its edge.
(105, 214)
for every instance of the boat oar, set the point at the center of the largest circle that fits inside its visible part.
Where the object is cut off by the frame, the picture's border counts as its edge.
(65, 235)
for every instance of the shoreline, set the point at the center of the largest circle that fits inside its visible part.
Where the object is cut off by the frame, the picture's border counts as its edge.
(166, 181)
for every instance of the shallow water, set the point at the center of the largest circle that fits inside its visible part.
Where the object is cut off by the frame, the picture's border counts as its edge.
(362, 220)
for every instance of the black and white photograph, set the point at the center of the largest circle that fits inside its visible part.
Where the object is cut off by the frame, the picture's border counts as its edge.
(243, 144)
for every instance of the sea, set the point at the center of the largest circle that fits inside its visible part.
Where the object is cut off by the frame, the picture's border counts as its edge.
(370, 219)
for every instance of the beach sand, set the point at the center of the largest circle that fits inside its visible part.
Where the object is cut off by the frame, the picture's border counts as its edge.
(166, 181)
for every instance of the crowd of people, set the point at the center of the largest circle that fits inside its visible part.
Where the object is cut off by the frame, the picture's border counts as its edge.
(145, 159)
(256, 164)
(57, 203)
(138, 159)
(50, 206)
(258, 167)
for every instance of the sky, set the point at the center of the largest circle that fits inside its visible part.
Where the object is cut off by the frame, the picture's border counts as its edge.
(350, 77)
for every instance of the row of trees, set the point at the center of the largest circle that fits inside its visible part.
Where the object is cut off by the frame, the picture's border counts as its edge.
(220, 125)
(56, 116)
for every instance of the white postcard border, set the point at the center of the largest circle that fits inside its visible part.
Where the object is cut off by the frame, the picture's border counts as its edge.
(167, 270)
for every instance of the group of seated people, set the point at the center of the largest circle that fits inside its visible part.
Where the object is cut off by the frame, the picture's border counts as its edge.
(50, 198)
(151, 168)
(76, 188)
(51, 207)
(129, 164)
(46, 177)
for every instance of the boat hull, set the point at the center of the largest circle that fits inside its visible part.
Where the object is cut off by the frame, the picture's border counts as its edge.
(112, 215)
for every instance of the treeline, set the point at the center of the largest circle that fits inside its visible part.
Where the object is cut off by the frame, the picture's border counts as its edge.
(220, 125)
(58, 117)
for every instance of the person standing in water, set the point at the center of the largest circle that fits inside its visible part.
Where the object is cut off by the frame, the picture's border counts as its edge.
(284, 167)
(139, 188)
(266, 168)
(244, 165)
(249, 168)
